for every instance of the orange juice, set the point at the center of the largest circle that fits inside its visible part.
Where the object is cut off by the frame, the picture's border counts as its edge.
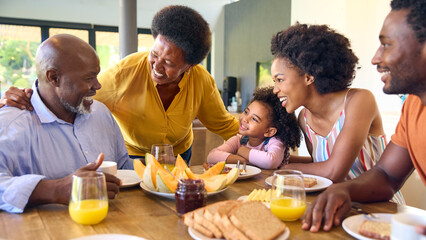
(91, 211)
(288, 209)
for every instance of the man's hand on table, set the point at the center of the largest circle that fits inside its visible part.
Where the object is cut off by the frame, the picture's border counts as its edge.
(19, 98)
(113, 183)
(329, 208)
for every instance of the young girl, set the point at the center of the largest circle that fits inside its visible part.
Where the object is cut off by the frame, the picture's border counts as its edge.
(266, 133)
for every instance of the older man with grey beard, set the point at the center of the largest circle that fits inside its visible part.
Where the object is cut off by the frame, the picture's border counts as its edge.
(67, 131)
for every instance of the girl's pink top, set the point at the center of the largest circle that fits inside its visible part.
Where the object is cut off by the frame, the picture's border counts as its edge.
(267, 156)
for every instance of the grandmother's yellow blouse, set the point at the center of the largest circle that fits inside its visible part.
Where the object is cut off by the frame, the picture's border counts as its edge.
(131, 95)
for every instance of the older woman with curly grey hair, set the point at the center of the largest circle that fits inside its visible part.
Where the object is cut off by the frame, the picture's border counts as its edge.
(313, 68)
(155, 95)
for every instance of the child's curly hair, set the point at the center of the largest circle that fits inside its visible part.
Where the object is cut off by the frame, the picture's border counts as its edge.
(288, 130)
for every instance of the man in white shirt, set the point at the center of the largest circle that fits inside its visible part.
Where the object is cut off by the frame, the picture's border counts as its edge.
(66, 132)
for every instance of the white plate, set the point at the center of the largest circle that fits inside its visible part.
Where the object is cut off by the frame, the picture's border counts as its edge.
(172, 195)
(198, 236)
(351, 224)
(322, 183)
(129, 178)
(251, 171)
(109, 237)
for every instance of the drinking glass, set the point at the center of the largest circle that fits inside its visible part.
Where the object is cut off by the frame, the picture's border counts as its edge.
(288, 195)
(89, 199)
(163, 153)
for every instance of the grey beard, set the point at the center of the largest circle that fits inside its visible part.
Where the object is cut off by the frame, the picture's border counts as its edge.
(80, 109)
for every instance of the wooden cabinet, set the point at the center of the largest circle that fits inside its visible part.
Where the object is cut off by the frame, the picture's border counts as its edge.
(204, 141)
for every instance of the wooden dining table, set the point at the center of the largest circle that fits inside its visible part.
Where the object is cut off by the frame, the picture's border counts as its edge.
(139, 213)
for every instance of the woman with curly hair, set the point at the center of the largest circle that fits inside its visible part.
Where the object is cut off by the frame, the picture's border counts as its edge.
(313, 68)
(267, 132)
(155, 95)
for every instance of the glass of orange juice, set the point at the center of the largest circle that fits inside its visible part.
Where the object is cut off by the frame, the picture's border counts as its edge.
(89, 199)
(163, 153)
(288, 195)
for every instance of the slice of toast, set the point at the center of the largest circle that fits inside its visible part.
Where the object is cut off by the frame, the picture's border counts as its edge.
(233, 233)
(188, 219)
(256, 221)
(376, 230)
(211, 209)
(202, 220)
(225, 225)
(308, 181)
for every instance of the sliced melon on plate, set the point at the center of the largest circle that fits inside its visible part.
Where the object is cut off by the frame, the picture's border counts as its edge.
(180, 163)
(147, 179)
(139, 167)
(215, 183)
(155, 167)
(215, 170)
(192, 175)
(232, 176)
(166, 182)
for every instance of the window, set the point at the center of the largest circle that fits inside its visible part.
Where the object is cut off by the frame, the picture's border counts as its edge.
(18, 46)
(107, 48)
(263, 74)
(145, 42)
(82, 34)
(19, 39)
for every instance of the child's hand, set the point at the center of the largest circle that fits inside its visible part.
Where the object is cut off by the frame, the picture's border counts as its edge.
(244, 152)
(233, 158)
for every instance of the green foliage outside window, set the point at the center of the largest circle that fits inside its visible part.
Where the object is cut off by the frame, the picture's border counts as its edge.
(263, 72)
(108, 55)
(17, 62)
(17, 66)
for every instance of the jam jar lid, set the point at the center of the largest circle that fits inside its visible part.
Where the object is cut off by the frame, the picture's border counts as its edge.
(191, 184)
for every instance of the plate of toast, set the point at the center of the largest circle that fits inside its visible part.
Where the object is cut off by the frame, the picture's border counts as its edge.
(172, 195)
(312, 183)
(199, 236)
(234, 219)
(361, 227)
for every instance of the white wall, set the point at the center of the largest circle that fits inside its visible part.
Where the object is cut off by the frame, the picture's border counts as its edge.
(218, 50)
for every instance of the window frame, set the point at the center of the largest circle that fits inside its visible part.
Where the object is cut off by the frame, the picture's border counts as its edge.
(45, 25)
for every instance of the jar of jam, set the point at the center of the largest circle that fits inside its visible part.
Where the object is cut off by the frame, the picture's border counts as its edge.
(190, 195)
